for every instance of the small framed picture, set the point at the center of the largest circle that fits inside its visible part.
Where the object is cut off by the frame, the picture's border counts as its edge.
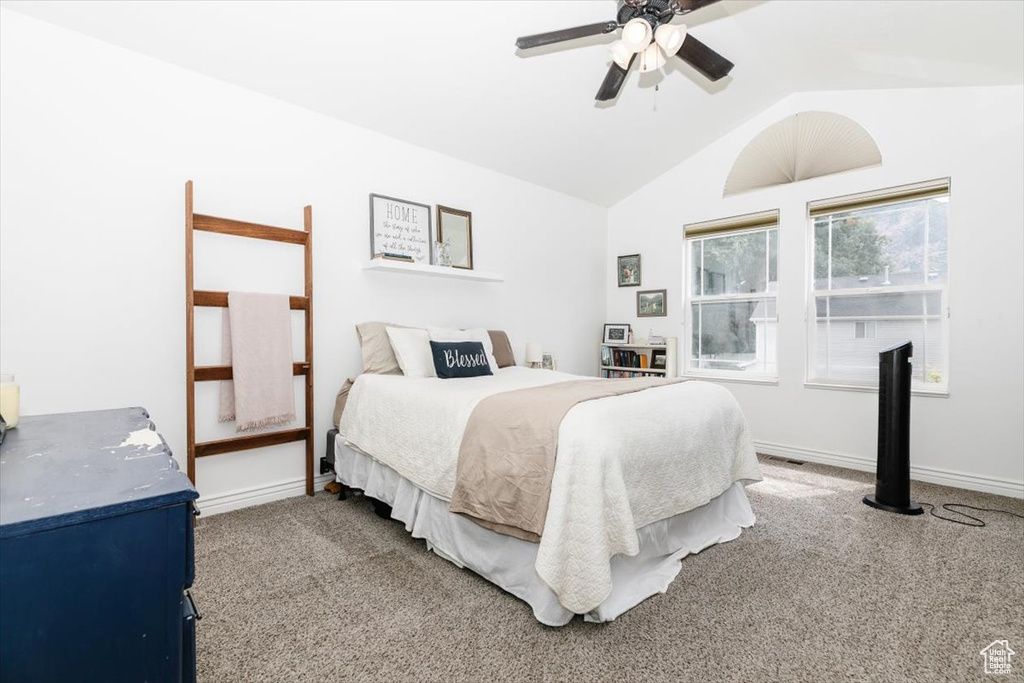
(658, 359)
(606, 356)
(549, 362)
(650, 304)
(616, 334)
(629, 270)
(455, 228)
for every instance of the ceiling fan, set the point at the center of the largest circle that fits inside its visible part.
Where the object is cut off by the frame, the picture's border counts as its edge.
(647, 33)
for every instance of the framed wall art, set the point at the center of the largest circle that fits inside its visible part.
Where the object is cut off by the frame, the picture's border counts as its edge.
(629, 270)
(651, 304)
(455, 229)
(400, 228)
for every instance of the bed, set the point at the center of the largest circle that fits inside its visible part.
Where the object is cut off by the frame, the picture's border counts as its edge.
(640, 481)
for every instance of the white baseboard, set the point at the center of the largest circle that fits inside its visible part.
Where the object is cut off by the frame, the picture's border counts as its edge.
(257, 495)
(931, 475)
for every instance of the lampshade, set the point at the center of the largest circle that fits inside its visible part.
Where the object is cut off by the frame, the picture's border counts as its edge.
(670, 37)
(651, 58)
(534, 353)
(621, 54)
(636, 34)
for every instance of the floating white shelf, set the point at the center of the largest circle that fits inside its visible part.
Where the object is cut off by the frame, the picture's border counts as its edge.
(432, 271)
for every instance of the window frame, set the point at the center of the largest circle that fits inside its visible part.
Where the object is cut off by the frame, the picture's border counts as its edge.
(724, 228)
(882, 197)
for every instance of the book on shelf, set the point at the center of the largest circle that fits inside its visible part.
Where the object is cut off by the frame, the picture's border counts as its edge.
(624, 374)
(390, 256)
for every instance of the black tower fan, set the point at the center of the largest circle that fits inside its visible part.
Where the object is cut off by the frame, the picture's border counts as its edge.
(892, 483)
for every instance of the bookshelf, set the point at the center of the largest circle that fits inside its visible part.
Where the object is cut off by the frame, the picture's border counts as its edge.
(637, 360)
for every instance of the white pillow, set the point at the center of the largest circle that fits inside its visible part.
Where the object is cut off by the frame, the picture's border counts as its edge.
(412, 349)
(479, 334)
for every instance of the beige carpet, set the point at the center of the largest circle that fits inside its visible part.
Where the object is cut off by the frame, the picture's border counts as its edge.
(822, 588)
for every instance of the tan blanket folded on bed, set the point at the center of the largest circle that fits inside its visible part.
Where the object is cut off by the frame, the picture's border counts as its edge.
(507, 456)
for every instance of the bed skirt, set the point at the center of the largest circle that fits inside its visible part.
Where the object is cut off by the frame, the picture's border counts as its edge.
(509, 562)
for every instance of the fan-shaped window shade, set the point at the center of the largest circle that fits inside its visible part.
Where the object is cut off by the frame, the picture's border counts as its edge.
(806, 145)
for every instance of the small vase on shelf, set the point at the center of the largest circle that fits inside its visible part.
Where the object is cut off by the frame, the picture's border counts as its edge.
(442, 254)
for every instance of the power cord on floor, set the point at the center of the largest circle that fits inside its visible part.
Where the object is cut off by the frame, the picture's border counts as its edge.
(948, 507)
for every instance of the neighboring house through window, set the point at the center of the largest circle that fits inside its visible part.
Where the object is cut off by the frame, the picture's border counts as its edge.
(880, 276)
(732, 276)
(865, 330)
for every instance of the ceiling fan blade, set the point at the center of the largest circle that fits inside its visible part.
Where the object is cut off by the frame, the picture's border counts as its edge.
(687, 6)
(526, 42)
(702, 58)
(613, 81)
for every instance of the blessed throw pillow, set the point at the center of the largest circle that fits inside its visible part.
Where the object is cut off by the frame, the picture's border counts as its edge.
(479, 335)
(460, 359)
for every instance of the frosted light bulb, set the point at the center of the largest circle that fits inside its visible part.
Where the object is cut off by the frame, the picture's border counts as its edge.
(636, 34)
(621, 54)
(670, 38)
(651, 58)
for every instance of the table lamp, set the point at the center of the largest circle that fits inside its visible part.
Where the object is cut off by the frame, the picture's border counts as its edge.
(534, 354)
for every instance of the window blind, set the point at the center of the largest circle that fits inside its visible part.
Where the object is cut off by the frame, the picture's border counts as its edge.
(749, 221)
(892, 195)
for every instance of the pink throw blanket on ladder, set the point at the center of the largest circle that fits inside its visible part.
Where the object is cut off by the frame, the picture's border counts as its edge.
(257, 343)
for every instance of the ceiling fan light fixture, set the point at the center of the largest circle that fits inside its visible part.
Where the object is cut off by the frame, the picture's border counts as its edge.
(670, 37)
(651, 58)
(621, 54)
(636, 34)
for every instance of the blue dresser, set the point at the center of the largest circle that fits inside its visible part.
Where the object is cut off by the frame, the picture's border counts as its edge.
(96, 552)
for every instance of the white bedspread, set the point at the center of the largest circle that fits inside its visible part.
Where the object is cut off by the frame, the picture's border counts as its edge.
(623, 461)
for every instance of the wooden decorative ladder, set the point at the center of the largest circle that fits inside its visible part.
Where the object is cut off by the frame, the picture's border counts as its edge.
(193, 298)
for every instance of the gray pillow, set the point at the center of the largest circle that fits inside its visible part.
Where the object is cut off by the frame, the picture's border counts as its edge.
(502, 348)
(378, 356)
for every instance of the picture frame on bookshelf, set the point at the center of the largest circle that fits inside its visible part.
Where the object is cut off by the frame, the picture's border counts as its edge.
(658, 359)
(629, 270)
(651, 304)
(615, 333)
(606, 356)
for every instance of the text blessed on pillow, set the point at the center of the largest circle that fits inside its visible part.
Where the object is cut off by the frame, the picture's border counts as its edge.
(460, 359)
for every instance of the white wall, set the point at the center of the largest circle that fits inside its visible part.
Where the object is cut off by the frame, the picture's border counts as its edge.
(973, 438)
(96, 143)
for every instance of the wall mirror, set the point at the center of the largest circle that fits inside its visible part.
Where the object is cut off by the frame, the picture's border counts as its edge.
(456, 228)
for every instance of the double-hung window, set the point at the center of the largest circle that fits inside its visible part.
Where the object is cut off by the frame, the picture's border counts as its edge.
(732, 277)
(879, 277)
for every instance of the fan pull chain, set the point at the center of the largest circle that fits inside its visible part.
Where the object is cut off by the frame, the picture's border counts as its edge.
(656, 88)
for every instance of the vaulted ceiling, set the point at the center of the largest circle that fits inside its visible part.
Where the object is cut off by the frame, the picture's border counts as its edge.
(446, 75)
